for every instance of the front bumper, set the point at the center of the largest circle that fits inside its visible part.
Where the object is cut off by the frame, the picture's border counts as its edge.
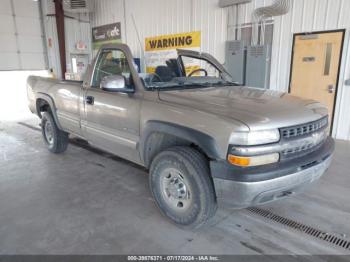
(240, 188)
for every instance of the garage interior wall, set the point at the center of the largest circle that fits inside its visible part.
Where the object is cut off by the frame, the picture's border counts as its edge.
(158, 17)
(77, 28)
(21, 36)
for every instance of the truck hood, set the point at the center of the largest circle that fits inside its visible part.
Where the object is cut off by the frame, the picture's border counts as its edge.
(258, 109)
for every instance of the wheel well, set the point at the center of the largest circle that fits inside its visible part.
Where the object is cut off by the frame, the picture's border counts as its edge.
(158, 142)
(42, 106)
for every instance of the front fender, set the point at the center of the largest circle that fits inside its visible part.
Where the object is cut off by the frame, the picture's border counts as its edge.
(205, 142)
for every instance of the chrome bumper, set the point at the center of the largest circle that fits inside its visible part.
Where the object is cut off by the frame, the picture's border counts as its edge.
(239, 194)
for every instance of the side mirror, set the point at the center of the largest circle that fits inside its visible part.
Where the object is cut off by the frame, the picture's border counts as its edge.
(115, 83)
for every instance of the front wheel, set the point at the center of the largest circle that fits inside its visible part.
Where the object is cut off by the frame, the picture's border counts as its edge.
(54, 138)
(181, 185)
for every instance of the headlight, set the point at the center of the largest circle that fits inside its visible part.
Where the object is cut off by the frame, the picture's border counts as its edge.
(255, 137)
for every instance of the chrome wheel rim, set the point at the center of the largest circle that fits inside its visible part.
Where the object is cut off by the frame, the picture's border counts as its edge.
(48, 132)
(176, 190)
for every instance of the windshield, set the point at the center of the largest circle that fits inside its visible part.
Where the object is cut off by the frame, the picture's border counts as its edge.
(187, 72)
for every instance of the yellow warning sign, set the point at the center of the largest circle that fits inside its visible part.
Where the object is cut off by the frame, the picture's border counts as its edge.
(159, 49)
(167, 42)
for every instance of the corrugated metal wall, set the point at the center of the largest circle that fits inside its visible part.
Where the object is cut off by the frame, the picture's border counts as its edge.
(77, 28)
(156, 17)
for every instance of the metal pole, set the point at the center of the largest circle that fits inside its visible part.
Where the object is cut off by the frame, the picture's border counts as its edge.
(61, 35)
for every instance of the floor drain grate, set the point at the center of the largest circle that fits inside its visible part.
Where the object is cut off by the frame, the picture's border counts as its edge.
(333, 239)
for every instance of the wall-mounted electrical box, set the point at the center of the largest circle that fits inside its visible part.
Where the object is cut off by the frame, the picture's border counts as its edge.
(236, 60)
(258, 66)
(226, 3)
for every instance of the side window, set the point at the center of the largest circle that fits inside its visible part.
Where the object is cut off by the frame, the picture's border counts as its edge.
(194, 64)
(111, 62)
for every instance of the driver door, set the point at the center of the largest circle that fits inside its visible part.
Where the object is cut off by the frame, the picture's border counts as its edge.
(112, 119)
(199, 64)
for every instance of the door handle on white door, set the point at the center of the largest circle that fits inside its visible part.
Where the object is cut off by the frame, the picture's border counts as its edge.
(331, 89)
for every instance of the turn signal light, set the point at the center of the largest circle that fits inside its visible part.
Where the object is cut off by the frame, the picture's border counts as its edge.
(253, 160)
(239, 161)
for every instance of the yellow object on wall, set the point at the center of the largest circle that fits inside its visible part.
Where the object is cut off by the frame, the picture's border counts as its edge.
(161, 48)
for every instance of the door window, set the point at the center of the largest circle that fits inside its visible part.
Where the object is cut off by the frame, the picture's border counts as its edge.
(111, 62)
(199, 67)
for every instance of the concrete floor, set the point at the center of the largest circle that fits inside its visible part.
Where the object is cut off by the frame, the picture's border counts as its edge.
(85, 202)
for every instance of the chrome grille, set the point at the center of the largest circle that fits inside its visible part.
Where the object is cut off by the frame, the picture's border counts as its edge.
(298, 149)
(305, 129)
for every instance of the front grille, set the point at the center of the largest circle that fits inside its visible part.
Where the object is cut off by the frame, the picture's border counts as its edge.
(299, 151)
(303, 139)
(304, 129)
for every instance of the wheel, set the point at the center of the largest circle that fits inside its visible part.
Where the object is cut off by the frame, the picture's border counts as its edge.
(181, 185)
(55, 139)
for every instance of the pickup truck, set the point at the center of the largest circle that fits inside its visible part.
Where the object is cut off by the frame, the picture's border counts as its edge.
(205, 140)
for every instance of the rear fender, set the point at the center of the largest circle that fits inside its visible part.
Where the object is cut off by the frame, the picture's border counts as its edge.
(48, 99)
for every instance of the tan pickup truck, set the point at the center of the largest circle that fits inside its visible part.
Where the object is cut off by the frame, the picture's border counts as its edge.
(204, 139)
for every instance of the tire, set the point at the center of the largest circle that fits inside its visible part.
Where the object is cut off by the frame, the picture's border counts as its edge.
(55, 139)
(189, 202)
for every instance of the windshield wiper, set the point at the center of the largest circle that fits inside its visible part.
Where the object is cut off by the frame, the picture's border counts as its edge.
(209, 84)
(231, 83)
(189, 84)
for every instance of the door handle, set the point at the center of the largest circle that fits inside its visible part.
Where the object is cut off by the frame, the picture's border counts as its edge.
(331, 89)
(89, 100)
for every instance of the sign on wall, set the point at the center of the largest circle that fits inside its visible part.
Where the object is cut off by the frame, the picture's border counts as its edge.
(106, 34)
(161, 48)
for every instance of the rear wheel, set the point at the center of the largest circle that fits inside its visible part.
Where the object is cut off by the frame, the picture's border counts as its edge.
(55, 139)
(181, 185)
